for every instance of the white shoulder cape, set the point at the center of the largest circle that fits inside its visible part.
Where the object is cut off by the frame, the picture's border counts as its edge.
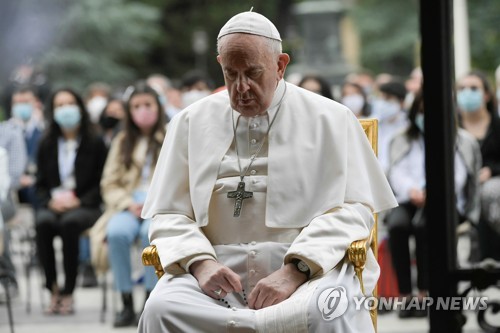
(319, 158)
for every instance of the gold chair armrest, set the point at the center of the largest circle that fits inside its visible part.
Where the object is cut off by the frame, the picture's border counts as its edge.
(358, 250)
(356, 254)
(150, 257)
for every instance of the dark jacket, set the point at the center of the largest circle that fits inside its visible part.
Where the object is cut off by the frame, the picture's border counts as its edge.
(490, 147)
(89, 163)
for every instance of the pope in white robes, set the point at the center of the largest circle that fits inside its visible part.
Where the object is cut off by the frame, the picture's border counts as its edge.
(269, 259)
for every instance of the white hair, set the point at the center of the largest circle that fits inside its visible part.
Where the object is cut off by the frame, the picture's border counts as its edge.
(274, 45)
(497, 75)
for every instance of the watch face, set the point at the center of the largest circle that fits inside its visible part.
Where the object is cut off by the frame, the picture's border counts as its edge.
(302, 266)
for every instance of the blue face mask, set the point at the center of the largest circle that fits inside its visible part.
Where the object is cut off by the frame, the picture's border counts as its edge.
(470, 100)
(22, 111)
(67, 116)
(419, 121)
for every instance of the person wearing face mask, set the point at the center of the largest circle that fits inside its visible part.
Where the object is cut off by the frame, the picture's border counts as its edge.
(477, 109)
(195, 86)
(21, 136)
(70, 162)
(125, 181)
(12, 140)
(354, 97)
(111, 119)
(109, 126)
(27, 114)
(170, 96)
(407, 178)
(97, 97)
(388, 109)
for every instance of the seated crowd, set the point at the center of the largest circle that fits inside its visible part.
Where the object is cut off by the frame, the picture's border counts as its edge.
(83, 163)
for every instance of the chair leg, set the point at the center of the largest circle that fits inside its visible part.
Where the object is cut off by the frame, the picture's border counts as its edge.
(27, 272)
(104, 306)
(31, 264)
(5, 283)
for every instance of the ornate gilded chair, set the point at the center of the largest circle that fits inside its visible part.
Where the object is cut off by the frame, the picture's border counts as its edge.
(356, 253)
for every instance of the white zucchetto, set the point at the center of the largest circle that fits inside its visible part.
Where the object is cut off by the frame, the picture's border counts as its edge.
(250, 23)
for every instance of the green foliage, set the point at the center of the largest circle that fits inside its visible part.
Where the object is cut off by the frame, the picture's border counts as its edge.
(389, 34)
(484, 23)
(119, 41)
(102, 41)
(173, 54)
(389, 31)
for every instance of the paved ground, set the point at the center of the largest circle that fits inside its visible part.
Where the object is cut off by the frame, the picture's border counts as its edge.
(90, 318)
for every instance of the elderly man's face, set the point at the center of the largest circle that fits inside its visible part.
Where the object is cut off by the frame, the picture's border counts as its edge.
(251, 72)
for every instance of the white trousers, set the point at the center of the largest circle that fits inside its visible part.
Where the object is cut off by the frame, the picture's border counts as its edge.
(178, 305)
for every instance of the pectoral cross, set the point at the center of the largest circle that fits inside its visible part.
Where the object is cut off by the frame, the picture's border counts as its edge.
(240, 194)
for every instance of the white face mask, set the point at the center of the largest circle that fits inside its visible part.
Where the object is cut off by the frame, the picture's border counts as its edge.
(95, 106)
(189, 97)
(384, 109)
(354, 102)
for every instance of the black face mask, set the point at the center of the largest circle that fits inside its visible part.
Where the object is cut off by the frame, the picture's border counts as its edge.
(108, 122)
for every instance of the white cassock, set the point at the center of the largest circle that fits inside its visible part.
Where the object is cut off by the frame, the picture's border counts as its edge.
(315, 184)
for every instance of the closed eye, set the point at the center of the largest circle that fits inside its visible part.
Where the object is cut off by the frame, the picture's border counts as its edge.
(255, 73)
(230, 75)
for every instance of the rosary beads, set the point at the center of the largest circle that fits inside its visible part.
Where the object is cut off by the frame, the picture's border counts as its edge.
(229, 305)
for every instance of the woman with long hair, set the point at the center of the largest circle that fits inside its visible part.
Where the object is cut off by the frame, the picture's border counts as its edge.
(126, 178)
(478, 113)
(70, 161)
(408, 180)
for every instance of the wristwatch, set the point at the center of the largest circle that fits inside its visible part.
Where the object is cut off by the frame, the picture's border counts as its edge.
(302, 267)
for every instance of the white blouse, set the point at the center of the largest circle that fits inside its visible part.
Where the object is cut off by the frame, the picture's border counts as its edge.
(409, 173)
(66, 155)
